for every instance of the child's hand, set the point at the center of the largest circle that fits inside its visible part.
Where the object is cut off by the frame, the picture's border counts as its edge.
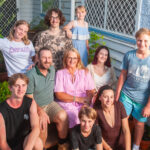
(69, 34)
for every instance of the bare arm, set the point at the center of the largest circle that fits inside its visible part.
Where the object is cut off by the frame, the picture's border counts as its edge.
(99, 147)
(105, 145)
(68, 98)
(43, 117)
(68, 28)
(122, 78)
(3, 142)
(35, 130)
(126, 132)
(146, 110)
(87, 46)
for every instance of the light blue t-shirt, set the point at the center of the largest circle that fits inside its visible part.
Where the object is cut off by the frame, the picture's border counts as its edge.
(137, 84)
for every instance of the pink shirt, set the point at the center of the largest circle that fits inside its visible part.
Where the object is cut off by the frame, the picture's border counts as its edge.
(83, 81)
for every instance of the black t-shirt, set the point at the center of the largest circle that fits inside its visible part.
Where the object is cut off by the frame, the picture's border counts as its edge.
(85, 143)
(17, 122)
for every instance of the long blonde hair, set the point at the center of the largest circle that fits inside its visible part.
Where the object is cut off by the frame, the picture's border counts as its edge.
(25, 39)
(79, 64)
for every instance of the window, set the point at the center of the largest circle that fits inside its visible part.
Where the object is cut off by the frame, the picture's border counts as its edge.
(117, 16)
(8, 16)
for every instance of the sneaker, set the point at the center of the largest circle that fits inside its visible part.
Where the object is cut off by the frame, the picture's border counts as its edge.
(64, 146)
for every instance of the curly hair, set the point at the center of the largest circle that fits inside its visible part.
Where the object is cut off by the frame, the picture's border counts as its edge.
(107, 63)
(49, 14)
(25, 39)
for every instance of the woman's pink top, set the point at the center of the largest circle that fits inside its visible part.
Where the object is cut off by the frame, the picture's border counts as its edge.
(83, 82)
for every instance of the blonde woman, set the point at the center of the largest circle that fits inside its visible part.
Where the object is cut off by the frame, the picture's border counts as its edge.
(74, 86)
(17, 49)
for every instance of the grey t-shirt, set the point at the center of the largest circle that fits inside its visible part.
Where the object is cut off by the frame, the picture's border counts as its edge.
(137, 84)
(40, 86)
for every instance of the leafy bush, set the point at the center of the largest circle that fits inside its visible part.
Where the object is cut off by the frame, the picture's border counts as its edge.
(95, 41)
(37, 25)
(4, 91)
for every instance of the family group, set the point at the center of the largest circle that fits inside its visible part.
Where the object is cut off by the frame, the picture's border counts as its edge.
(53, 82)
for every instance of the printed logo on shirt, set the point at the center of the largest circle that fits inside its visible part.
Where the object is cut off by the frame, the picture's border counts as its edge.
(140, 73)
(26, 117)
(16, 50)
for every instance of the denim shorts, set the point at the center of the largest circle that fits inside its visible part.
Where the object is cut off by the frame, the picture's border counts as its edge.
(132, 107)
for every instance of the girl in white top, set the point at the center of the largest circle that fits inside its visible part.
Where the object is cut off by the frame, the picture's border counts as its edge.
(17, 49)
(101, 69)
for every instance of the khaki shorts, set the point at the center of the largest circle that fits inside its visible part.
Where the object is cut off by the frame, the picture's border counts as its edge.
(52, 110)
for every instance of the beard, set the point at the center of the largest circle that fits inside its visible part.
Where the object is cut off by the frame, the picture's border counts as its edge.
(45, 65)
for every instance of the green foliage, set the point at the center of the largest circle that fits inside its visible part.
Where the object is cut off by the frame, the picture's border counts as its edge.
(1, 35)
(95, 41)
(4, 91)
(35, 26)
(47, 4)
(8, 21)
(2, 2)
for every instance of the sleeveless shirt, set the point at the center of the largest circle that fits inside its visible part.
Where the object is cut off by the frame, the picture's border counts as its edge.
(17, 121)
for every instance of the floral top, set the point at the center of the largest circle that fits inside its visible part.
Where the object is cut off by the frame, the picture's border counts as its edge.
(57, 44)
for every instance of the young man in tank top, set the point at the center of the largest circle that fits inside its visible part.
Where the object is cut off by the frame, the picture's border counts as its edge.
(19, 122)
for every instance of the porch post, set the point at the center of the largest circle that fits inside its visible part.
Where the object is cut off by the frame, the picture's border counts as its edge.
(72, 10)
(83, 2)
(59, 3)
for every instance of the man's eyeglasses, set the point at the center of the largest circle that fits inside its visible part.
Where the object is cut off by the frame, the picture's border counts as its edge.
(52, 18)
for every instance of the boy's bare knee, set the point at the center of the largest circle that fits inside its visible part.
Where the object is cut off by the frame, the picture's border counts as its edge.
(38, 144)
(61, 116)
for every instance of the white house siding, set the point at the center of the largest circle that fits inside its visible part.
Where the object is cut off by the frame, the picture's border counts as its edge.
(145, 14)
(68, 8)
(117, 50)
(65, 7)
(28, 9)
(37, 8)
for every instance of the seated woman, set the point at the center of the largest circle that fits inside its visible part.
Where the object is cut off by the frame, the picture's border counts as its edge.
(101, 69)
(74, 85)
(113, 120)
(86, 135)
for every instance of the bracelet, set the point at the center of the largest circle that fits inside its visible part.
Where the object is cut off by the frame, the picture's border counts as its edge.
(74, 98)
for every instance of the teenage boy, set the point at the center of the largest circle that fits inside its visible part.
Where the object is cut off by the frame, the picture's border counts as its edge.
(86, 135)
(134, 84)
(19, 123)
